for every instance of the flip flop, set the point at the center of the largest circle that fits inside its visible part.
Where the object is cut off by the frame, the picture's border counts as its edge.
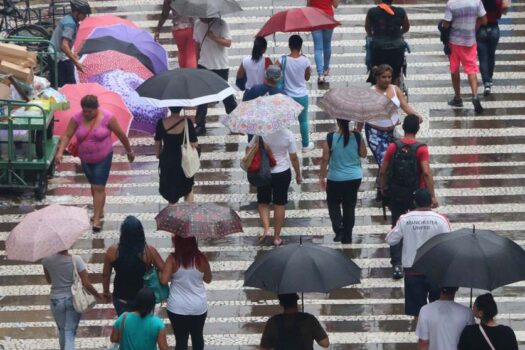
(263, 237)
(96, 229)
(278, 242)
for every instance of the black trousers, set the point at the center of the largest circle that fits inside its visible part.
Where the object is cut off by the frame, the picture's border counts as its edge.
(229, 102)
(65, 71)
(186, 325)
(342, 196)
(398, 207)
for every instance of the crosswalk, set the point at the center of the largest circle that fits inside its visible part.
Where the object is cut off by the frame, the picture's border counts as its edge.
(478, 163)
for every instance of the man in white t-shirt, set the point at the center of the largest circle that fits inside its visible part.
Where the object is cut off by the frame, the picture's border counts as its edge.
(212, 36)
(440, 323)
(414, 229)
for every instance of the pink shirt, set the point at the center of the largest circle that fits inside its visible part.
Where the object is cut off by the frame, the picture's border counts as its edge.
(97, 145)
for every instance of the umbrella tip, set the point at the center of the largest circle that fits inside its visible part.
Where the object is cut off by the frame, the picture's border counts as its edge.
(473, 228)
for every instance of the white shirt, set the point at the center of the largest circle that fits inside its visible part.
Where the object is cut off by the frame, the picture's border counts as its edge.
(294, 71)
(212, 55)
(255, 71)
(442, 322)
(281, 143)
(394, 119)
(187, 293)
(415, 228)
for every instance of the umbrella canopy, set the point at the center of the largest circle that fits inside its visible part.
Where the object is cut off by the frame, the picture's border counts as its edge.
(141, 39)
(264, 115)
(145, 116)
(46, 232)
(101, 62)
(205, 8)
(185, 87)
(108, 100)
(302, 268)
(92, 22)
(471, 258)
(303, 19)
(105, 43)
(199, 220)
(357, 104)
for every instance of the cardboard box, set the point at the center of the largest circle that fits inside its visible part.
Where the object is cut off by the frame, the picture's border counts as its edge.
(24, 62)
(13, 50)
(19, 72)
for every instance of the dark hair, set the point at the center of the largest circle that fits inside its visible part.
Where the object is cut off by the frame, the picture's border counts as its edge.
(422, 198)
(144, 302)
(89, 101)
(487, 305)
(449, 290)
(389, 2)
(259, 48)
(382, 68)
(411, 124)
(295, 42)
(344, 126)
(132, 241)
(187, 251)
(288, 300)
(175, 110)
(490, 5)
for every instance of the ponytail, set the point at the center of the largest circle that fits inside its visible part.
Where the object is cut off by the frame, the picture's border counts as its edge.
(345, 128)
(259, 48)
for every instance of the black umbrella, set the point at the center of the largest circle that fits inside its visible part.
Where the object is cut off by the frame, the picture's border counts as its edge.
(105, 43)
(471, 258)
(302, 268)
(184, 87)
(205, 8)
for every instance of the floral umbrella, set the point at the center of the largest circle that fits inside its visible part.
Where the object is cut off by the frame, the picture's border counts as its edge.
(264, 115)
(199, 220)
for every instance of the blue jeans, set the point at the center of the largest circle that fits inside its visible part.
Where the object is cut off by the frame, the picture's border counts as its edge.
(67, 320)
(303, 120)
(322, 46)
(487, 39)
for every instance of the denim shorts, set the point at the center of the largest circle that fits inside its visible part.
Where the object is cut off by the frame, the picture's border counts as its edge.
(98, 173)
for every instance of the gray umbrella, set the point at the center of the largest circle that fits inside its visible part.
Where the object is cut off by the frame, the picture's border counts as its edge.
(471, 258)
(205, 8)
(302, 268)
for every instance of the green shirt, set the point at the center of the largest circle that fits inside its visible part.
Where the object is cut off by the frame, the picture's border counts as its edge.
(139, 333)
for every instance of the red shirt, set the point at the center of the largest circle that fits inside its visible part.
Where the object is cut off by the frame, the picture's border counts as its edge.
(422, 155)
(323, 5)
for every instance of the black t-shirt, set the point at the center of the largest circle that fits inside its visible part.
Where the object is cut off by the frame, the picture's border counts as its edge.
(292, 331)
(384, 24)
(501, 337)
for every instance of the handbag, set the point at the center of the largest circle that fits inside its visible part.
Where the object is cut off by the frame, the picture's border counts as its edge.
(116, 346)
(255, 164)
(151, 281)
(246, 161)
(72, 148)
(263, 176)
(190, 156)
(83, 300)
(280, 83)
(486, 337)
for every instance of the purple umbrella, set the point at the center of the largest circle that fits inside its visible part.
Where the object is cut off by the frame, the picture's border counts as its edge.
(140, 38)
(145, 116)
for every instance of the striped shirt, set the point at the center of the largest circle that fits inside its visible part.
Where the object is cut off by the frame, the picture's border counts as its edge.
(463, 15)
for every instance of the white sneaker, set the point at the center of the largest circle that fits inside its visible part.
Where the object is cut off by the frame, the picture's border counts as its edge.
(309, 148)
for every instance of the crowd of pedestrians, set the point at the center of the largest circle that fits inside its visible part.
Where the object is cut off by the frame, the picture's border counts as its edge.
(404, 181)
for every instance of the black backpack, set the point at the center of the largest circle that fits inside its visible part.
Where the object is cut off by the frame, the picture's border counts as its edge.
(403, 171)
(289, 338)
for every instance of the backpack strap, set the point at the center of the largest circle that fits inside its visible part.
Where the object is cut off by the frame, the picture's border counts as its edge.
(357, 138)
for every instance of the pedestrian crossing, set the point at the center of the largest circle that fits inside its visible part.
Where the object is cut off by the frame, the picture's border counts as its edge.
(478, 163)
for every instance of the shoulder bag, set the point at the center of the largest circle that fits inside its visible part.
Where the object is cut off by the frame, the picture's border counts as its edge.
(190, 156)
(247, 160)
(116, 346)
(263, 176)
(152, 281)
(486, 337)
(83, 300)
(72, 148)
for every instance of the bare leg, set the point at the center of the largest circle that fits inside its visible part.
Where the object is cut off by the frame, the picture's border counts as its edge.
(189, 197)
(473, 81)
(278, 218)
(456, 85)
(264, 214)
(99, 200)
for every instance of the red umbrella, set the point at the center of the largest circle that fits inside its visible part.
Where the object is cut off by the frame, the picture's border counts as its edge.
(93, 22)
(107, 99)
(101, 62)
(302, 19)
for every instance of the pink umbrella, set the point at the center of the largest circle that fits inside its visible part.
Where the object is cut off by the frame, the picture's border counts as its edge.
(101, 62)
(46, 232)
(107, 99)
(93, 22)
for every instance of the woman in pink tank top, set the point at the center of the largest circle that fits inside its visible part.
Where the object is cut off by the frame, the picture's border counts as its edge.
(92, 128)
